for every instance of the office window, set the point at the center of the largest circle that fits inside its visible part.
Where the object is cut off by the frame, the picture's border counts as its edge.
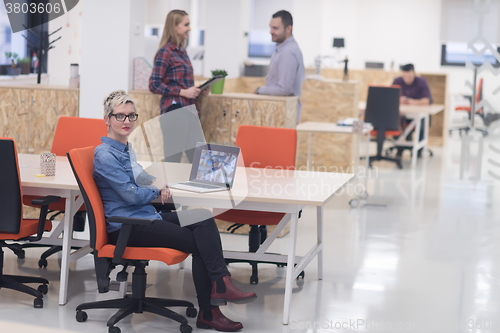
(457, 54)
(260, 44)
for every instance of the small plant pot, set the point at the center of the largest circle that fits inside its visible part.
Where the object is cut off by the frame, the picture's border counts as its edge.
(14, 71)
(218, 87)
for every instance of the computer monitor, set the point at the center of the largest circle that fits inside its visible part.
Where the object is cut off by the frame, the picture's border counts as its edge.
(338, 42)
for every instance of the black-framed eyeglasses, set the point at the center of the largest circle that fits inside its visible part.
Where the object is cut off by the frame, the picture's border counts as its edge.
(121, 117)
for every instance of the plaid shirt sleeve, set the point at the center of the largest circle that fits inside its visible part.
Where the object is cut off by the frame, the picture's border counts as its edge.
(156, 83)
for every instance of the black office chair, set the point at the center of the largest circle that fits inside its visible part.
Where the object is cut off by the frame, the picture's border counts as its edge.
(382, 111)
(13, 227)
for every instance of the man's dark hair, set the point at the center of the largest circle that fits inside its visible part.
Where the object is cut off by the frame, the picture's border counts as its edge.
(408, 68)
(285, 16)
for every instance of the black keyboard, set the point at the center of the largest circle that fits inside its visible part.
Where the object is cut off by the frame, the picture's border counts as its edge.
(200, 185)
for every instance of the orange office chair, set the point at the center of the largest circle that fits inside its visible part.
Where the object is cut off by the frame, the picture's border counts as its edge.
(14, 227)
(382, 111)
(478, 98)
(71, 132)
(107, 256)
(261, 147)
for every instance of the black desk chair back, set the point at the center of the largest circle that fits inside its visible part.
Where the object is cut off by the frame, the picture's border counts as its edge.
(382, 111)
(13, 227)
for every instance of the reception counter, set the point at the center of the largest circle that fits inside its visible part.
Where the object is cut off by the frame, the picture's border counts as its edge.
(324, 100)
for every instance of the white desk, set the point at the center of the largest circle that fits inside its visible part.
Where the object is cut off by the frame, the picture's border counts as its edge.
(254, 189)
(271, 191)
(416, 113)
(311, 127)
(64, 185)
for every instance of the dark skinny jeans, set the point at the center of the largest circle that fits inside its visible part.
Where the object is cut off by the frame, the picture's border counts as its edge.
(201, 239)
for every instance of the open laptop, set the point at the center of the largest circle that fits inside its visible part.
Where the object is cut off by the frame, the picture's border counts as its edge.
(213, 169)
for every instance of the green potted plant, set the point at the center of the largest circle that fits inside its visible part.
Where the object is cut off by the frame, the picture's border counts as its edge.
(25, 64)
(13, 70)
(218, 87)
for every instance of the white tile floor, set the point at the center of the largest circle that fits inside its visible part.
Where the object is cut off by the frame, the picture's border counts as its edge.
(427, 262)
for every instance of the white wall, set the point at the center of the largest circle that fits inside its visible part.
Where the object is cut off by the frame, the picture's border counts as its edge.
(67, 50)
(225, 42)
(108, 48)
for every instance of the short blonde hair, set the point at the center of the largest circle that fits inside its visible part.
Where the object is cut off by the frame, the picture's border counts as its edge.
(173, 19)
(117, 97)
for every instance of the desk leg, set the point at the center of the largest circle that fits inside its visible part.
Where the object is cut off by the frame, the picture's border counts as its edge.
(290, 269)
(319, 230)
(66, 248)
(416, 141)
(309, 151)
(367, 162)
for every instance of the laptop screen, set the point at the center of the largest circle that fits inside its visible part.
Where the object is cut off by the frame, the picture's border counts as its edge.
(214, 164)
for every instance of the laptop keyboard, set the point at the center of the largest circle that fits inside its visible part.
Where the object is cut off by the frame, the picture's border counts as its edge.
(199, 185)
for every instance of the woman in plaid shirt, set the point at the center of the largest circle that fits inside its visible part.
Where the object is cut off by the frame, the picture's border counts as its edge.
(172, 75)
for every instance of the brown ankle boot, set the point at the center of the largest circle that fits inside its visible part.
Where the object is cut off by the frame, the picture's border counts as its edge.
(217, 321)
(223, 291)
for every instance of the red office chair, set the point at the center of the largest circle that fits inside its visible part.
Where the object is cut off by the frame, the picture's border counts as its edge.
(13, 227)
(261, 147)
(71, 132)
(107, 256)
(468, 109)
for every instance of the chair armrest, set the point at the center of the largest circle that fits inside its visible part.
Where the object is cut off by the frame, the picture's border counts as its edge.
(124, 235)
(44, 202)
(469, 97)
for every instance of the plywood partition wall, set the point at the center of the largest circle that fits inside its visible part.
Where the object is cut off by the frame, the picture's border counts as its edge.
(438, 84)
(29, 114)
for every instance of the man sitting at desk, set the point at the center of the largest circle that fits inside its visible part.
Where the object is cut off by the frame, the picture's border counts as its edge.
(414, 91)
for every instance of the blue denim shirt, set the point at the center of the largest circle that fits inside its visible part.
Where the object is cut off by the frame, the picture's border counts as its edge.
(121, 195)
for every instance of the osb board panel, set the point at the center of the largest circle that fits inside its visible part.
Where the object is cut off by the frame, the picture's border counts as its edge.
(330, 152)
(291, 113)
(268, 113)
(14, 116)
(364, 77)
(244, 230)
(437, 85)
(46, 107)
(147, 106)
(327, 101)
(242, 114)
(215, 117)
(244, 84)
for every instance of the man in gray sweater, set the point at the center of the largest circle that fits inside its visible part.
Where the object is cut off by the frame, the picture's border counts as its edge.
(286, 70)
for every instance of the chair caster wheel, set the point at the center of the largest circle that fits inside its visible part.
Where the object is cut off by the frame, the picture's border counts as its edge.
(301, 275)
(191, 312)
(254, 280)
(38, 303)
(20, 254)
(42, 263)
(114, 329)
(186, 329)
(354, 203)
(43, 288)
(81, 316)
